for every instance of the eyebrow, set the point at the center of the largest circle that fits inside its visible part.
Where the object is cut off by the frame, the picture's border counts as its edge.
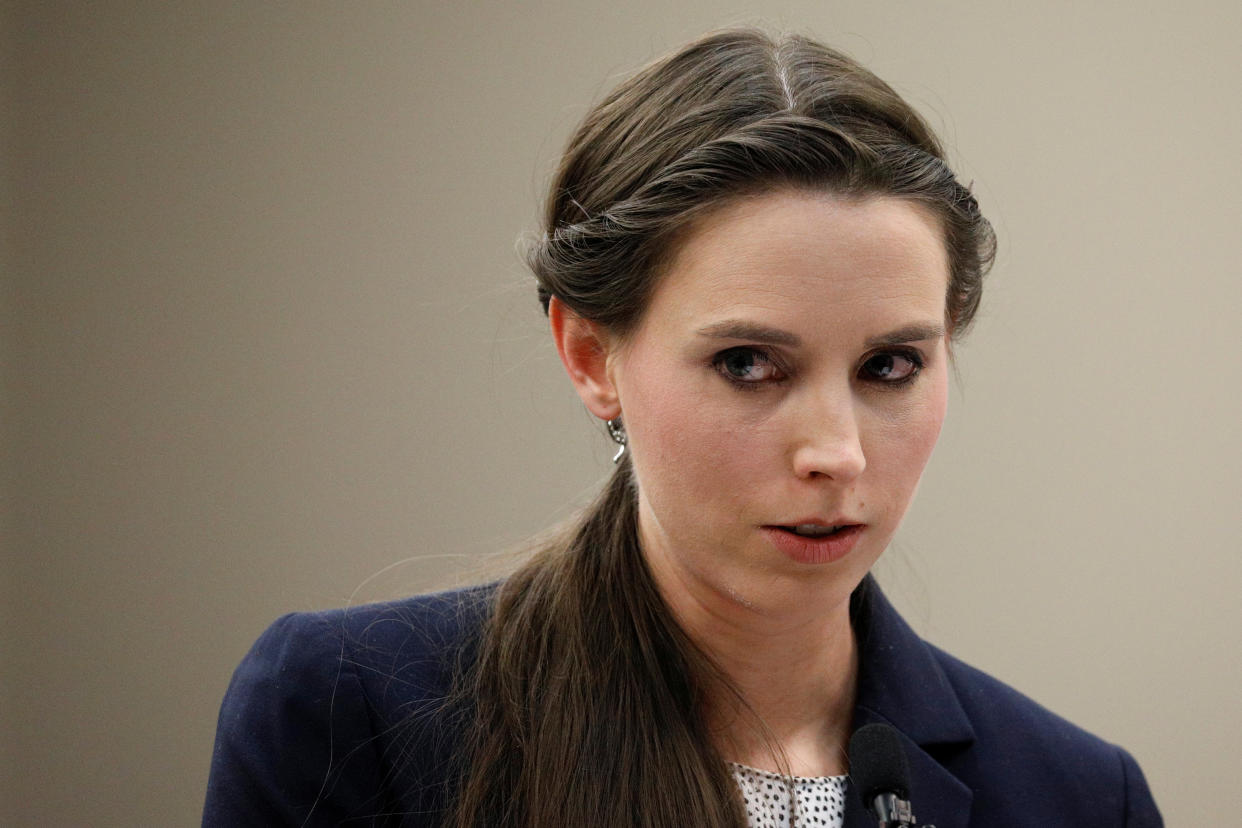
(739, 329)
(910, 333)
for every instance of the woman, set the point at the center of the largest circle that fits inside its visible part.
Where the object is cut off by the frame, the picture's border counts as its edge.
(754, 264)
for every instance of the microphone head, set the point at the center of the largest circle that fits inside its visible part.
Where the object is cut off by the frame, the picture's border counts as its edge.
(878, 763)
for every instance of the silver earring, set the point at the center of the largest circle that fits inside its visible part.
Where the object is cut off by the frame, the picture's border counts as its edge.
(616, 430)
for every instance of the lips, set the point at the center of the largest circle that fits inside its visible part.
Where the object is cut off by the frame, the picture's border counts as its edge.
(815, 549)
(836, 522)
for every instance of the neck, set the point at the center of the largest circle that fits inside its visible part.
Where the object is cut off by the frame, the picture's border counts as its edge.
(785, 700)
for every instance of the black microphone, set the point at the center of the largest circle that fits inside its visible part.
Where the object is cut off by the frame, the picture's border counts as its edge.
(879, 771)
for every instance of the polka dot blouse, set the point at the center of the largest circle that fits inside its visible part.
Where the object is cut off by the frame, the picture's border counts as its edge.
(819, 802)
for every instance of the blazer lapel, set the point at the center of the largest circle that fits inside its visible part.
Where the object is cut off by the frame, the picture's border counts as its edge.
(900, 683)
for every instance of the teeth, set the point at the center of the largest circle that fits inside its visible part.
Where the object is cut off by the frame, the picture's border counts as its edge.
(811, 530)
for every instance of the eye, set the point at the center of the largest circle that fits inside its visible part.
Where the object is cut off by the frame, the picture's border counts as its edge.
(747, 367)
(892, 368)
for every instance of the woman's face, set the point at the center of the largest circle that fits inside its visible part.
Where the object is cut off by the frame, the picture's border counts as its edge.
(790, 368)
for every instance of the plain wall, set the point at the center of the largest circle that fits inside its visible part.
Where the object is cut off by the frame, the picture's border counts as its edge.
(9, 774)
(268, 347)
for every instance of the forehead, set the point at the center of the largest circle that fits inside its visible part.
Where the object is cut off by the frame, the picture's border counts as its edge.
(806, 257)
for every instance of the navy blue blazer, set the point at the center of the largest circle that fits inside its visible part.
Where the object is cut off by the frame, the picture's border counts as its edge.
(337, 718)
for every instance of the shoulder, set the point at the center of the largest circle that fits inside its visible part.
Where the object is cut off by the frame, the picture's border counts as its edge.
(391, 653)
(326, 704)
(999, 712)
(1027, 759)
(980, 745)
(408, 649)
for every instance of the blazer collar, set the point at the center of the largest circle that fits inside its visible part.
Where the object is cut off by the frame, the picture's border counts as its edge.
(901, 683)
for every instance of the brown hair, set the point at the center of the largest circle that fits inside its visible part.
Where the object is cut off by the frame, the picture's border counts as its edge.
(586, 694)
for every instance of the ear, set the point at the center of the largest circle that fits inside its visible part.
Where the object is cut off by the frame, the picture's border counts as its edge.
(584, 348)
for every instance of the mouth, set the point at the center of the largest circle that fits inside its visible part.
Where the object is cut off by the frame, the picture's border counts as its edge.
(815, 543)
(814, 530)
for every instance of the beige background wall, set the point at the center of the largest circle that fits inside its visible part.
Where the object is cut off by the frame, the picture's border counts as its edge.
(268, 348)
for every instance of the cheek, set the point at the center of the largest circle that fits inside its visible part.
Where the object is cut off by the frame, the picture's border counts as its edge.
(660, 419)
(910, 439)
(686, 449)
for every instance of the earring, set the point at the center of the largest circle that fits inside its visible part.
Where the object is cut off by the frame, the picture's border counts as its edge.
(616, 430)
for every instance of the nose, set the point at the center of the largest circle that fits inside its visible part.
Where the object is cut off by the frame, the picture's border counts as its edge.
(829, 442)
